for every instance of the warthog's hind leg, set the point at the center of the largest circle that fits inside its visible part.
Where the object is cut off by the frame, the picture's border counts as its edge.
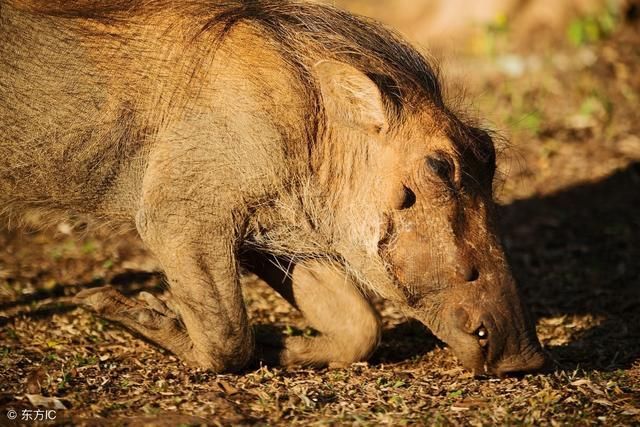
(332, 304)
(151, 319)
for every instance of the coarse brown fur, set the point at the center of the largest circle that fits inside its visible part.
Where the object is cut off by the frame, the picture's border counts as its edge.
(243, 132)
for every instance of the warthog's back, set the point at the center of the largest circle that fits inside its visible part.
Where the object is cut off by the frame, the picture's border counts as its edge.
(84, 92)
(87, 87)
(67, 119)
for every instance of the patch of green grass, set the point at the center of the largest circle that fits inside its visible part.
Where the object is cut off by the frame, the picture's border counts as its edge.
(85, 360)
(338, 375)
(63, 382)
(51, 357)
(117, 406)
(456, 394)
(390, 383)
(396, 401)
(56, 253)
(399, 384)
(89, 247)
(592, 28)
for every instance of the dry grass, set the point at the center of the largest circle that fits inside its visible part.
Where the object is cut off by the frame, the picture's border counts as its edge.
(571, 219)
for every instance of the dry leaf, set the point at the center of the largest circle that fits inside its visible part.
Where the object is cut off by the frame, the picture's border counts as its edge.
(46, 402)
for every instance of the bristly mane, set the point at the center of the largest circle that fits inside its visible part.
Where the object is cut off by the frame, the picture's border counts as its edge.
(302, 29)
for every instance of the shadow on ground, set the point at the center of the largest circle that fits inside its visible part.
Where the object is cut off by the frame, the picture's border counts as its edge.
(576, 253)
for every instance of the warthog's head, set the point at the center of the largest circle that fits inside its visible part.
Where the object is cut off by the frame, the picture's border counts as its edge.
(425, 196)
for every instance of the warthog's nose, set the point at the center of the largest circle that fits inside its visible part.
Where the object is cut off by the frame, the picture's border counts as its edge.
(468, 273)
(485, 348)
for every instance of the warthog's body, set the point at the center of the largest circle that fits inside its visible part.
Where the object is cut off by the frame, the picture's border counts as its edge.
(234, 132)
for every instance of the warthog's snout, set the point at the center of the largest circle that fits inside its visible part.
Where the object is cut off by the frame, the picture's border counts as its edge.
(536, 361)
(489, 344)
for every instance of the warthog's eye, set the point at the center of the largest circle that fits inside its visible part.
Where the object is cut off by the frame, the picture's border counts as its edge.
(408, 198)
(442, 165)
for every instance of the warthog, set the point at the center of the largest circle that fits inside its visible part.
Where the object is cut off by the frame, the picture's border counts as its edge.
(239, 135)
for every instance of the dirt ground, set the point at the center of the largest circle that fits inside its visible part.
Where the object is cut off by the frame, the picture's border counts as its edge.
(570, 196)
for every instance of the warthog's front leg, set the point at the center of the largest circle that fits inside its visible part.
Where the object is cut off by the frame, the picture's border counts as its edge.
(332, 304)
(210, 328)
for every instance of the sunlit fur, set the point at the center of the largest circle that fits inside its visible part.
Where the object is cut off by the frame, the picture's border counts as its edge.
(219, 128)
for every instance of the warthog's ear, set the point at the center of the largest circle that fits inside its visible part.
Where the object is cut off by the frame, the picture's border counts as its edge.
(350, 96)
